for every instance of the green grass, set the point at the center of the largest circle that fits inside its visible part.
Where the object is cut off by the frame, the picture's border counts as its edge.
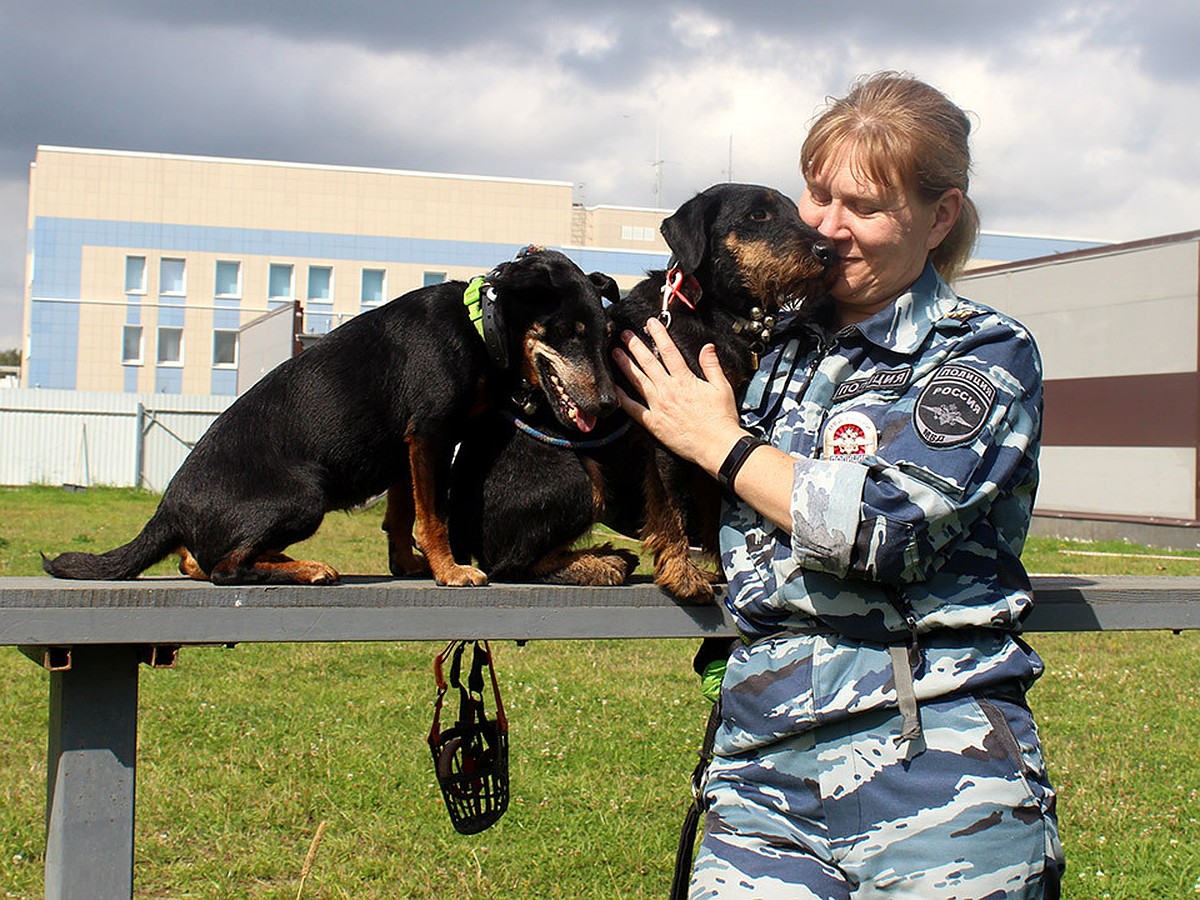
(244, 752)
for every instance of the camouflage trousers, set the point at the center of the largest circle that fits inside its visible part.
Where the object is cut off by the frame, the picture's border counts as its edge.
(965, 812)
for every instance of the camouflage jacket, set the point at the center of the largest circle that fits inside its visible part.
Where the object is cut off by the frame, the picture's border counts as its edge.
(916, 435)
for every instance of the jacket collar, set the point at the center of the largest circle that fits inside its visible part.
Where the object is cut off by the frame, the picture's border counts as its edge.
(906, 323)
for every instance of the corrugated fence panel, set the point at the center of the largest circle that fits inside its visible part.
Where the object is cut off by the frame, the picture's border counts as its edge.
(170, 433)
(86, 438)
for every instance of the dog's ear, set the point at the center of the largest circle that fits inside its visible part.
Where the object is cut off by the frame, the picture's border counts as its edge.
(606, 286)
(686, 232)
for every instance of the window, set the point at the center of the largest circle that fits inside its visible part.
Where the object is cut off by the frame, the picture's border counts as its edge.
(135, 274)
(636, 233)
(131, 345)
(171, 278)
(170, 346)
(280, 282)
(320, 280)
(229, 279)
(433, 278)
(372, 286)
(225, 346)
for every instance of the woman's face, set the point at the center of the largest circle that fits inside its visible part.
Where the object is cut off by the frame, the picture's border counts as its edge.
(882, 234)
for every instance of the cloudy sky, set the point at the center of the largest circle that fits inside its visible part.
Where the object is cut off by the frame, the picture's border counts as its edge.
(1087, 113)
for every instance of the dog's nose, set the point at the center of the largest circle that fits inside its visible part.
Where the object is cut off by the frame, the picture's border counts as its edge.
(825, 253)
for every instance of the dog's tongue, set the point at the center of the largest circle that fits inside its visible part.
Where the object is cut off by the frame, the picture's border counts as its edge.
(585, 422)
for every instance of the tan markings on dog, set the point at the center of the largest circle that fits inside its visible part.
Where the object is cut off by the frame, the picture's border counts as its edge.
(432, 534)
(296, 571)
(274, 568)
(665, 537)
(771, 272)
(534, 336)
(595, 474)
(603, 565)
(188, 565)
(398, 523)
(571, 385)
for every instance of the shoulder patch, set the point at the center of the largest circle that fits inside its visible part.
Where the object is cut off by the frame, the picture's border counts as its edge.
(953, 406)
(961, 313)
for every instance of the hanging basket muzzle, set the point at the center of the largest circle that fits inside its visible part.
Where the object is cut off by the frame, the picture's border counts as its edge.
(470, 758)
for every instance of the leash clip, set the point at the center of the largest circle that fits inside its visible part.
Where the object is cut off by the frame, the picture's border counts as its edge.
(673, 289)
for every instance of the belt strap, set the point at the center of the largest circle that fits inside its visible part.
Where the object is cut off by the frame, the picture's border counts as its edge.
(906, 694)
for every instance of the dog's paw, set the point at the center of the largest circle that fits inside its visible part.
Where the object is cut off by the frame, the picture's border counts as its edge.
(621, 562)
(685, 581)
(408, 567)
(461, 576)
(318, 573)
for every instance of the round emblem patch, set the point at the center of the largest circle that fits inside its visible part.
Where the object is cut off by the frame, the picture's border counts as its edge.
(953, 406)
(848, 437)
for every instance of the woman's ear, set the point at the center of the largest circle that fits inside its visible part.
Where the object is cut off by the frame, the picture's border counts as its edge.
(945, 213)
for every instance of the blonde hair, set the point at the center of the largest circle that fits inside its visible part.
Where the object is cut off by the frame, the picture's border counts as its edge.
(903, 133)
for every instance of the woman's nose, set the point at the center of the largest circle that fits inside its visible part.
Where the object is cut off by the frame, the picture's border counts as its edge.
(832, 221)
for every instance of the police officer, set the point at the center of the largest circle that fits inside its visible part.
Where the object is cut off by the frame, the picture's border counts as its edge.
(874, 738)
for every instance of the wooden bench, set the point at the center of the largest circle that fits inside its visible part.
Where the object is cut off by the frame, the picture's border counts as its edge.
(93, 636)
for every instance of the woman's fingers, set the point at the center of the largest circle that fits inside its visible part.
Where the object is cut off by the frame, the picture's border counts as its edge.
(710, 365)
(672, 360)
(634, 409)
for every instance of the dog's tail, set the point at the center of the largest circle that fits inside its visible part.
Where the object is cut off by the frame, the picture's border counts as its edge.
(155, 542)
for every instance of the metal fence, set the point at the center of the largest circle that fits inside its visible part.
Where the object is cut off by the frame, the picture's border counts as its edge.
(90, 438)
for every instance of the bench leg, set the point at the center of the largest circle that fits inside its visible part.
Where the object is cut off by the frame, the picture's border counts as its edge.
(91, 769)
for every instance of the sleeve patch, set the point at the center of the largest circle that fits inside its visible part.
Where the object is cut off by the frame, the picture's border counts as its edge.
(953, 406)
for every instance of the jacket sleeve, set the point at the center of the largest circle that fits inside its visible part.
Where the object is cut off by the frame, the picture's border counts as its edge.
(899, 513)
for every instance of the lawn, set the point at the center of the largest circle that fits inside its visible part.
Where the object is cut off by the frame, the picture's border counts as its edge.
(245, 753)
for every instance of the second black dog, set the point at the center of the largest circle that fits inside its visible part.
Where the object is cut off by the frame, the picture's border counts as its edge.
(378, 403)
(523, 490)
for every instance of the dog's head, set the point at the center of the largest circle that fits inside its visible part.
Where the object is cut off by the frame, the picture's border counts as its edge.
(549, 331)
(747, 247)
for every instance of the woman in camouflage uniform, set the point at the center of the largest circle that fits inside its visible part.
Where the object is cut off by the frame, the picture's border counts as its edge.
(874, 738)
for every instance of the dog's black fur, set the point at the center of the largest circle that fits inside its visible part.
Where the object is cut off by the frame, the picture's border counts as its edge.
(518, 503)
(378, 403)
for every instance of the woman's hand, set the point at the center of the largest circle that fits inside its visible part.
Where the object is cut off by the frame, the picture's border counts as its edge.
(696, 418)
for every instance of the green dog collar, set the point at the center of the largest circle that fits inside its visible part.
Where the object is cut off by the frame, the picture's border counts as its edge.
(473, 304)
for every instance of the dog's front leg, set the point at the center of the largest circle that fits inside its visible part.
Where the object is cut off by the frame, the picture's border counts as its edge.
(665, 534)
(398, 523)
(432, 531)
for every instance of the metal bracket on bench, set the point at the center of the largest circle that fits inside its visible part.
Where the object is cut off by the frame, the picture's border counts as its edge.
(58, 659)
(52, 659)
(158, 656)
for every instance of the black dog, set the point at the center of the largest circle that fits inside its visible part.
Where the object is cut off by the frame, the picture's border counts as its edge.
(524, 491)
(378, 403)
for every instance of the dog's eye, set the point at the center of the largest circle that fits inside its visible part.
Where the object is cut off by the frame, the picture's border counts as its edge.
(580, 328)
(761, 215)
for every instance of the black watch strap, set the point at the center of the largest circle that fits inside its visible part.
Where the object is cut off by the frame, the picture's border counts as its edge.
(737, 457)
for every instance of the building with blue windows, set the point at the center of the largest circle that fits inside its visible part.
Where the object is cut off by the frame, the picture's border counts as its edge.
(143, 268)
